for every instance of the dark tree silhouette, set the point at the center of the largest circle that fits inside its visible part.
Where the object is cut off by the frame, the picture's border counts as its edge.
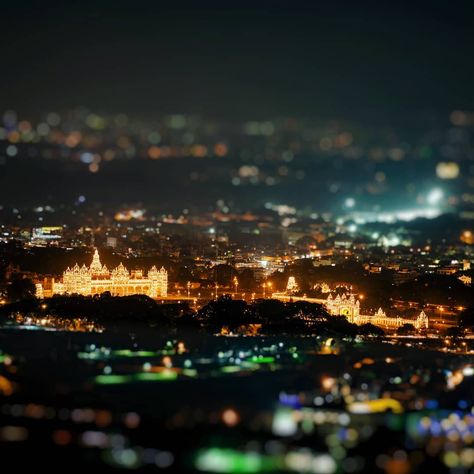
(224, 311)
(406, 329)
(370, 329)
(247, 280)
(20, 289)
(455, 332)
(466, 318)
(224, 274)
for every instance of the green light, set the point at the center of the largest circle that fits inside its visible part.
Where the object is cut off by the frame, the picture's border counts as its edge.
(235, 462)
(156, 376)
(164, 376)
(230, 369)
(89, 355)
(250, 365)
(112, 379)
(263, 359)
(129, 353)
(190, 372)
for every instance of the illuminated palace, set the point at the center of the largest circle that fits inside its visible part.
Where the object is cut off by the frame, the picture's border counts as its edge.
(349, 306)
(98, 279)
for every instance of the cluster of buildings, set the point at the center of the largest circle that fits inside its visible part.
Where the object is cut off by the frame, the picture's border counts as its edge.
(97, 279)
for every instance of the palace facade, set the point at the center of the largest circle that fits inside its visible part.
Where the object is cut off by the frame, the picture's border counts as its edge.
(349, 306)
(97, 279)
(381, 319)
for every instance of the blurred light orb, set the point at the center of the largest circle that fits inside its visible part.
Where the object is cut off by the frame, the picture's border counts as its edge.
(447, 170)
(230, 417)
(434, 196)
(349, 202)
(12, 150)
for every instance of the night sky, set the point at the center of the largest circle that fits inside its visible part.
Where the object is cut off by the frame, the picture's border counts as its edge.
(238, 59)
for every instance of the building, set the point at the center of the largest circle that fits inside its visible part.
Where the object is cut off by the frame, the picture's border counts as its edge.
(343, 305)
(380, 319)
(467, 280)
(349, 306)
(97, 279)
(421, 322)
(291, 286)
(43, 235)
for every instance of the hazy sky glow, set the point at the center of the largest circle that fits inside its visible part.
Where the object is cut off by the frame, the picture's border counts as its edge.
(238, 58)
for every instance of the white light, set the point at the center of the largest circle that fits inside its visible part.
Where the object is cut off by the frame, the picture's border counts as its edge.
(324, 464)
(390, 241)
(434, 196)
(349, 202)
(284, 423)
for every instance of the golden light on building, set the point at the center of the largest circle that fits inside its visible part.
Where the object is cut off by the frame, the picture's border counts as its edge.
(97, 279)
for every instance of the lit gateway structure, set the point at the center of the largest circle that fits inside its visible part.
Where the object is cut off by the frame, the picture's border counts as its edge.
(97, 279)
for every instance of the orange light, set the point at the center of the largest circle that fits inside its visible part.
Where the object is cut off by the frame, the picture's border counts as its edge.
(230, 417)
(328, 383)
(154, 152)
(220, 149)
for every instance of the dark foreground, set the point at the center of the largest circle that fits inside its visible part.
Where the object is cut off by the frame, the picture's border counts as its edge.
(152, 402)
